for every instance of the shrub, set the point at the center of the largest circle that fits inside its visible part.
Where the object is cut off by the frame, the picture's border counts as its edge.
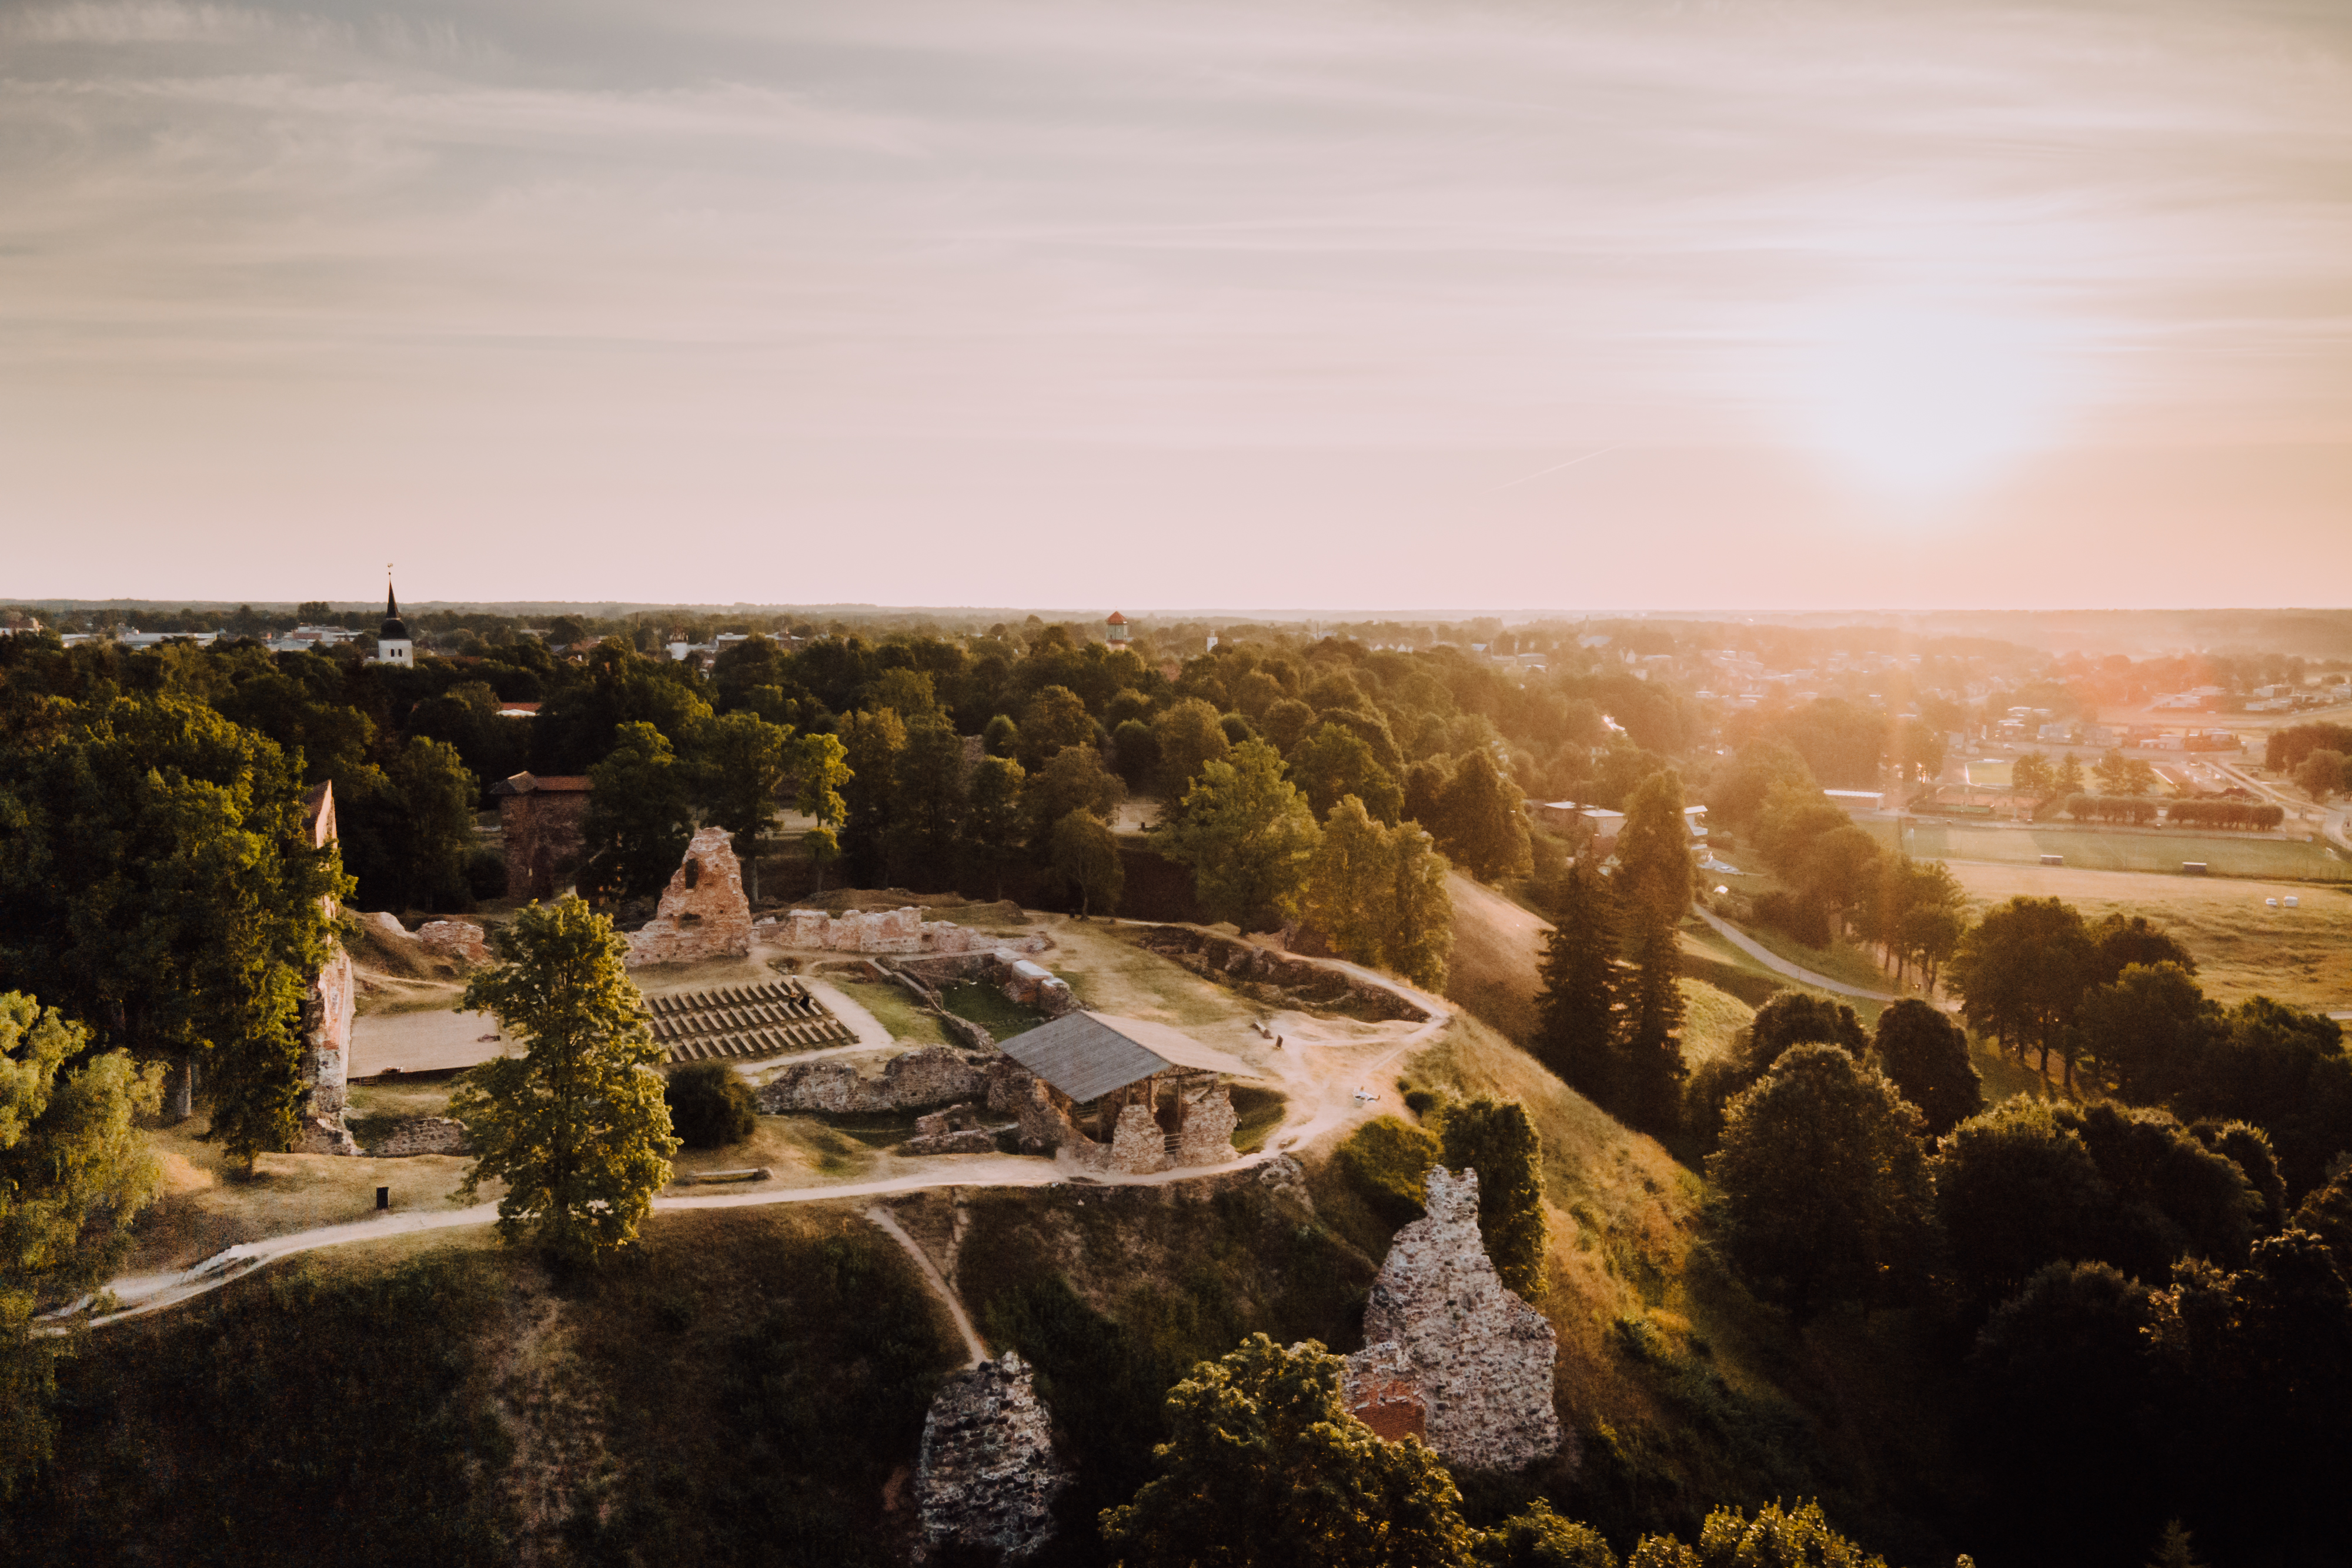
(709, 1107)
(1387, 1161)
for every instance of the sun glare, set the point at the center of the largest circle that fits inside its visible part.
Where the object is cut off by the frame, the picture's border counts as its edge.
(1923, 401)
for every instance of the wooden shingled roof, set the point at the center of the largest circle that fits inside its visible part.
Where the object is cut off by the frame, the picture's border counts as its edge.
(1089, 1055)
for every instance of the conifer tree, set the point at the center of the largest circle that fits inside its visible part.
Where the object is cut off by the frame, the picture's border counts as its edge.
(1582, 988)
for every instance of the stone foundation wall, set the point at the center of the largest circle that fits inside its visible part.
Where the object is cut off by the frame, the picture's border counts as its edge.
(893, 931)
(1222, 957)
(458, 939)
(423, 1136)
(987, 1474)
(703, 913)
(933, 1075)
(1207, 1135)
(970, 1141)
(1441, 1324)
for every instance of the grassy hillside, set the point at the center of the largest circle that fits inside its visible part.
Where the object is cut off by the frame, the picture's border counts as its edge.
(748, 1390)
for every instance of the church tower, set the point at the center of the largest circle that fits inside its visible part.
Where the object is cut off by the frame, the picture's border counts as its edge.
(392, 644)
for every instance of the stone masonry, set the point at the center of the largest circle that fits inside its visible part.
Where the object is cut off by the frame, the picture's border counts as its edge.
(703, 913)
(1441, 1326)
(892, 931)
(326, 1019)
(987, 1474)
(932, 1075)
(423, 1136)
(540, 822)
(459, 939)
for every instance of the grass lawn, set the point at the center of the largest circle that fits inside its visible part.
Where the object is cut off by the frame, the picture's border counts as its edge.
(990, 1008)
(1260, 1112)
(2096, 849)
(895, 1008)
(1712, 1020)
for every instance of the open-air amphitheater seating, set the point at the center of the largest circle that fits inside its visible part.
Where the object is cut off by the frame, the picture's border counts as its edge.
(744, 1021)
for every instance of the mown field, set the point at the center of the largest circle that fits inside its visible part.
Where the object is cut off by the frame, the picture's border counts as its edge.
(2093, 849)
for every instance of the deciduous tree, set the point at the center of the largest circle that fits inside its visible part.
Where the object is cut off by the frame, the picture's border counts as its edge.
(1333, 762)
(1190, 737)
(741, 764)
(638, 820)
(1926, 1056)
(576, 1126)
(993, 828)
(1085, 857)
(1247, 834)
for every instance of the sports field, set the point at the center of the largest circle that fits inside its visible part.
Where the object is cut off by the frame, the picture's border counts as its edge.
(2094, 848)
(2301, 956)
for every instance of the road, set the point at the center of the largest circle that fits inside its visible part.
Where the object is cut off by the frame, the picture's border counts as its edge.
(1321, 1077)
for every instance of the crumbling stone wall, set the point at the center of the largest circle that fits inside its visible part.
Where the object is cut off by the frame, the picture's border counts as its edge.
(423, 1136)
(539, 823)
(1222, 957)
(703, 913)
(459, 939)
(1138, 1146)
(1206, 1137)
(893, 931)
(987, 1475)
(1440, 1323)
(933, 1075)
(1383, 1391)
(326, 1019)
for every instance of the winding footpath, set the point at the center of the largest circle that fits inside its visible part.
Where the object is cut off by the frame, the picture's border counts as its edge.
(1319, 1078)
(1779, 965)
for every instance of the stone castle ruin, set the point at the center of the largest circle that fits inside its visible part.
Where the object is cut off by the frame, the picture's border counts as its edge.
(326, 1019)
(540, 822)
(703, 913)
(1158, 1098)
(987, 1475)
(1450, 1355)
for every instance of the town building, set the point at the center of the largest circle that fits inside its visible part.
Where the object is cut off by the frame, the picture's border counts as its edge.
(392, 644)
(1115, 629)
(541, 821)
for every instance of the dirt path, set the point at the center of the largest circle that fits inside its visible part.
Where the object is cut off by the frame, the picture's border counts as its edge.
(930, 1271)
(1779, 965)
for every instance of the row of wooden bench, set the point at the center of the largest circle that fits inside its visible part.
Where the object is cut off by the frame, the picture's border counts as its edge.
(763, 1042)
(678, 1002)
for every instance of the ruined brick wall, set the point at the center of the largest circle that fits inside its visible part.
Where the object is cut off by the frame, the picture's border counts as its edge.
(703, 913)
(987, 1474)
(1383, 1391)
(892, 931)
(933, 1075)
(541, 829)
(459, 939)
(1440, 1323)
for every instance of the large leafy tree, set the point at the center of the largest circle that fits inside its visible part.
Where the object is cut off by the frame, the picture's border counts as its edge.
(576, 1126)
(1190, 737)
(638, 818)
(1926, 1056)
(73, 1173)
(1247, 834)
(741, 763)
(1479, 823)
(1085, 856)
(1777, 1536)
(158, 881)
(1825, 1195)
(1350, 882)
(1075, 781)
(1264, 1465)
(1334, 762)
(1497, 1140)
(2015, 1190)
(1418, 937)
(2021, 973)
(823, 769)
(871, 742)
(993, 826)
(1054, 719)
(928, 822)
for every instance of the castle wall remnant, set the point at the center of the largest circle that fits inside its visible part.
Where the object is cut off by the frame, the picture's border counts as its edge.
(539, 821)
(423, 1136)
(933, 1075)
(902, 931)
(326, 1019)
(703, 913)
(1441, 1327)
(459, 939)
(1222, 957)
(987, 1475)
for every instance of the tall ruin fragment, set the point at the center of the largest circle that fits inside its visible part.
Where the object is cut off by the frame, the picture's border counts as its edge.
(987, 1474)
(703, 913)
(326, 1019)
(1450, 1355)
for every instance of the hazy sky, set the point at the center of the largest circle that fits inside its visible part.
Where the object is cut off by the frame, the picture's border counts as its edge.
(1534, 303)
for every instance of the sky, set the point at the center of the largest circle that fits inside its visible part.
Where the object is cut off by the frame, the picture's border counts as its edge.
(1506, 304)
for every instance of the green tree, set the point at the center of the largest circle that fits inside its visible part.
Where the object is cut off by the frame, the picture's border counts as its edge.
(74, 1171)
(1479, 824)
(1497, 1140)
(2033, 775)
(1001, 736)
(1418, 937)
(822, 768)
(1247, 834)
(1776, 1538)
(1843, 870)
(1190, 737)
(927, 826)
(1085, 856)
(742, 765)
(2015, 1190)
(1583, 982)
(1075, 781)
(638, 820)
(1654, 883)
(2112, 771)
(1351, 881)
(870, 745)
(157, 877)
(1926, 1056)
(577, 1127)
(709, 1106)
(1825, 1194)
(1333, 762)
(2146, 1034)
(2321, 774)
(993, 828)
(1539, 1538)
(2068, 778)
(1264, 1465)
(1054, 719)
(2021, 973)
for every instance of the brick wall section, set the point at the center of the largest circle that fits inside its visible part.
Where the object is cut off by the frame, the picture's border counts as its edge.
(424, 1135)
(987, 1474)
(540, 824)
(703, 913)
(1440, 1320)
